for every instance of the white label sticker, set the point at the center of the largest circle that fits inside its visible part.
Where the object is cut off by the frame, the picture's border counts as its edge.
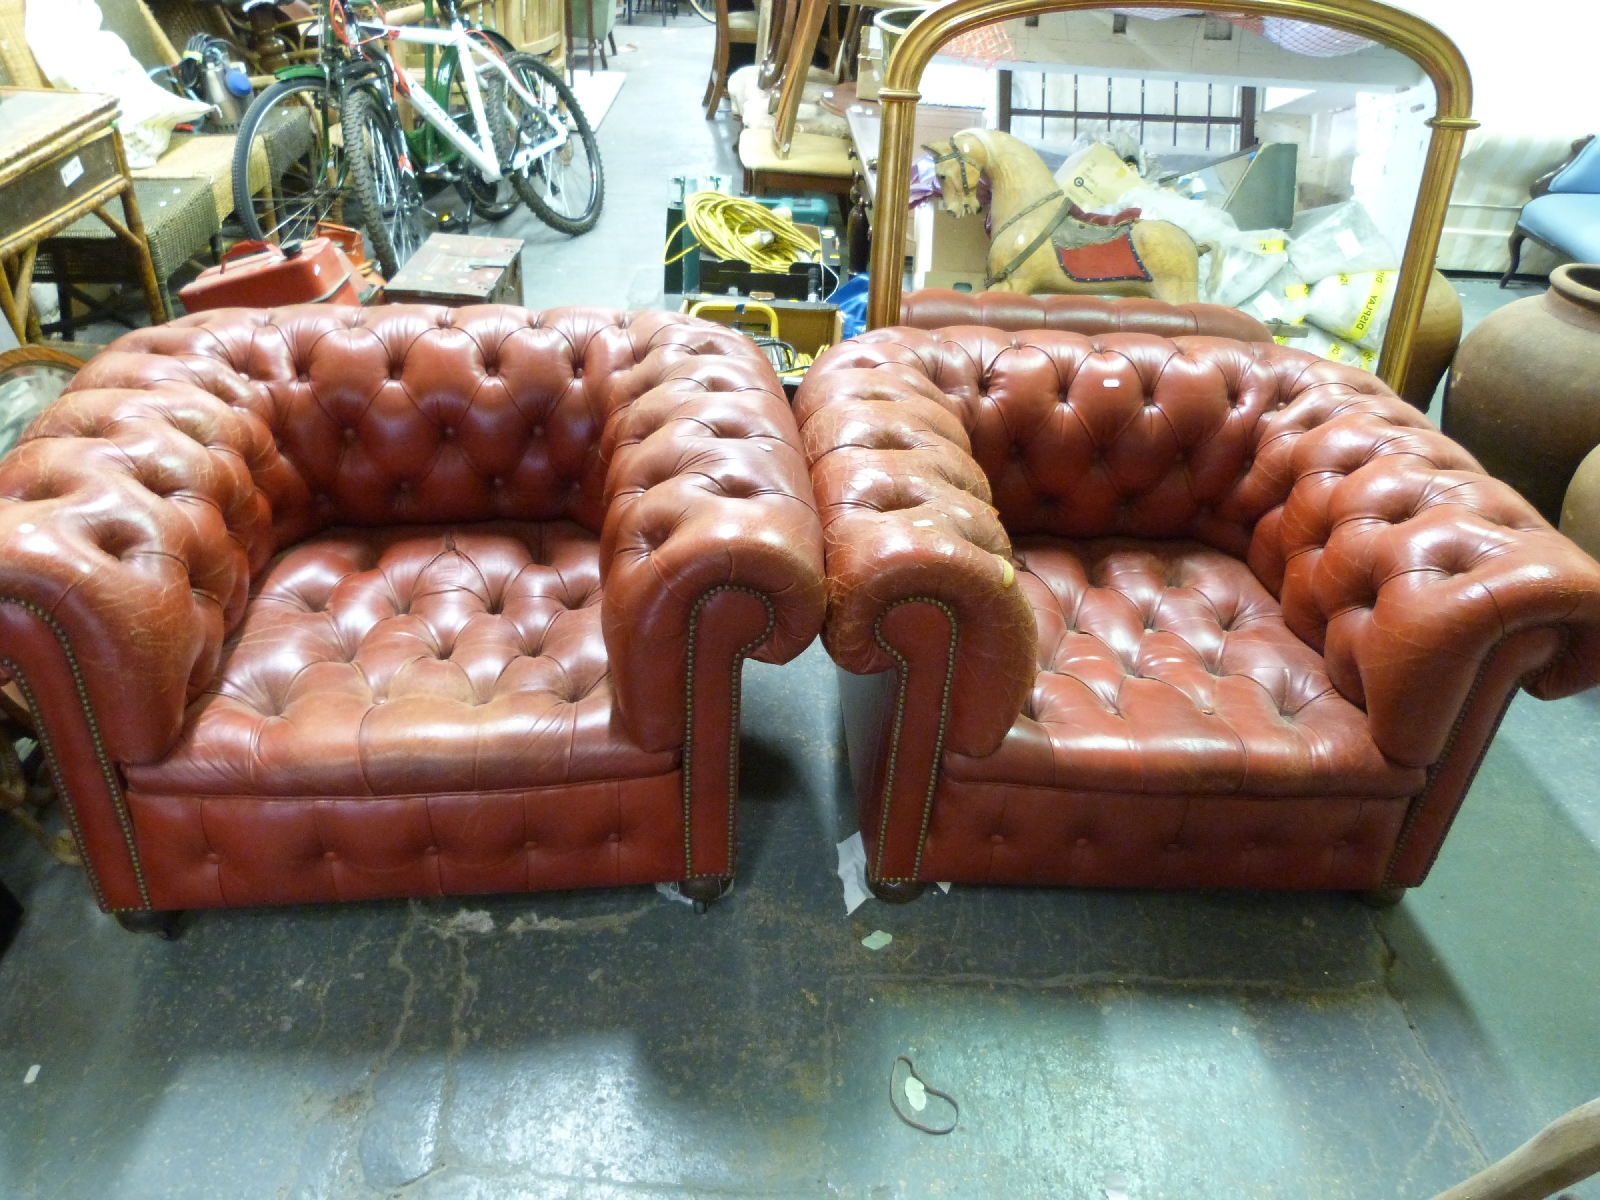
(72, 171)
(1349, 243)
(916, 1093)
(1111, 383)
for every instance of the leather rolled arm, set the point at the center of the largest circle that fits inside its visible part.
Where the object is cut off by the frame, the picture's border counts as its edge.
(706, 491)
(907, 516)
(1408, 567)
(128, 525)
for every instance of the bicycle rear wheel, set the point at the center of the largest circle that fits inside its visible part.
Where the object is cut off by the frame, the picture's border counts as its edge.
(382, 180)
(563, 184)
(288, 162)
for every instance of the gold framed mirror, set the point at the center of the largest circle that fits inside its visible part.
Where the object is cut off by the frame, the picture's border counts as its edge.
(1426, 46)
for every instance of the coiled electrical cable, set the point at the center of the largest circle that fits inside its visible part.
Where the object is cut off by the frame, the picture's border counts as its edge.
(732, 227)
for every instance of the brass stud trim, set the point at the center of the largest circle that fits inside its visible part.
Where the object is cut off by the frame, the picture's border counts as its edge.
(113, 787)
(737, 686)
(894, 742)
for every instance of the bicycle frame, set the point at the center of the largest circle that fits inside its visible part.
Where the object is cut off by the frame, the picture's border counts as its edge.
(469, 52)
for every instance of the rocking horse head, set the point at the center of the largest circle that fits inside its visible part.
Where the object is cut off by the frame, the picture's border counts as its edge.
(959, 163)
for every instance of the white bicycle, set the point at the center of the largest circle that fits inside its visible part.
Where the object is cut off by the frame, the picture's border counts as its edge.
(326, 142)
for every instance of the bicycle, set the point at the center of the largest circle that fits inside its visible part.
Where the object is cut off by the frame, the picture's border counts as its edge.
(291, 165)
(292, 170)
(537, 135)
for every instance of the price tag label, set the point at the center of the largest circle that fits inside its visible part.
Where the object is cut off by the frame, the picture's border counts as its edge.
(71, 171)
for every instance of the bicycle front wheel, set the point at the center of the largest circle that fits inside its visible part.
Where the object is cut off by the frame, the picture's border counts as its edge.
(705, 8)
(547, 149)
(382, 182)
(288, 162)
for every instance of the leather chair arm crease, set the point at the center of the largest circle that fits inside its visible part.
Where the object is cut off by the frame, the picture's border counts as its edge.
(1406, 567)
(129, 522)
(706, 492)
(907, 516)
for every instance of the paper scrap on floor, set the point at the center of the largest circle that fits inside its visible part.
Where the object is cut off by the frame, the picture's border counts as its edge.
(853, 872)
(877, 939)
(916, 1093)
(673, 892)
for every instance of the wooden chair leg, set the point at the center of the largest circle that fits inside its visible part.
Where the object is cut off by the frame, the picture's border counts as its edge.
(1517, 238)
(718, 86)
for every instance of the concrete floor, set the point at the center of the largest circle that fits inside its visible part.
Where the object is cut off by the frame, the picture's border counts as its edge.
(609, 1045)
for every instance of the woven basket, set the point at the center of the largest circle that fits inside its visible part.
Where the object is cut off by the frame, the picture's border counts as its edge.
(179, 220)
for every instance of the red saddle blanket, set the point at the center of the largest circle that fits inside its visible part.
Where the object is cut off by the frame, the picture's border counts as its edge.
(1105, 262)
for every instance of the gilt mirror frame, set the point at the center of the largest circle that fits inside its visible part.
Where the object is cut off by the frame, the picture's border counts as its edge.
(1424, 44)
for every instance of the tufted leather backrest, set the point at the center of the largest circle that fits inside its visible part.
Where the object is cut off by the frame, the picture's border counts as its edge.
(135, 511)
(940, 308)
(1121, 434)
(1389, 550)
(418, 414)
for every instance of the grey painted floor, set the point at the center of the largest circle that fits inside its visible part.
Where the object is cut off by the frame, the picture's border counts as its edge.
(1157, 1046)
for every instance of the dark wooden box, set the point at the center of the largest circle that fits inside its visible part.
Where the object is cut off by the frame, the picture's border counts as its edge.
(455, 270)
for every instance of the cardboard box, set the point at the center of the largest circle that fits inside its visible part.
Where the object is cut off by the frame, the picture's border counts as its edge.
(949, 251)
(869, 72)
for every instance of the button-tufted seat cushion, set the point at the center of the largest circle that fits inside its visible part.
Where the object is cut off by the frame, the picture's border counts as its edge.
(324, 603)
(1123, 610)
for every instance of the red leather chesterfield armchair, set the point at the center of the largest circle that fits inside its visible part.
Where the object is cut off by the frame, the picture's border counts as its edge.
(323, 603)
(1128, 611)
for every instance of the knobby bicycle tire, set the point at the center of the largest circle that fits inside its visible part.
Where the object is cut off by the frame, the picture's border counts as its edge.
(390, 199)
(508, 132)
(316, 174)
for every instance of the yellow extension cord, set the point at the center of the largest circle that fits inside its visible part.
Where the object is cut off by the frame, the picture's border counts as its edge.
(731, 227)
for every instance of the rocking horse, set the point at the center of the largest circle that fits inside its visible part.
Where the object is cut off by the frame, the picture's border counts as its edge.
(1043, 242)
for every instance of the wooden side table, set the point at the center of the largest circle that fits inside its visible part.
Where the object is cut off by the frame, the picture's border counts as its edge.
(61, 158)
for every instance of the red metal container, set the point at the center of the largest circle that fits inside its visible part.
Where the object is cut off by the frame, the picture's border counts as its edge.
(260, 275)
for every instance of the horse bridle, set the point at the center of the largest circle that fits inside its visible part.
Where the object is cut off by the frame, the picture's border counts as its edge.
(956, 155)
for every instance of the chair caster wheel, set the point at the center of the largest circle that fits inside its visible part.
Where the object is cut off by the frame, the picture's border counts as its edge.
(163, 924)
(1381, 898)
(705, 889)
(902, 891)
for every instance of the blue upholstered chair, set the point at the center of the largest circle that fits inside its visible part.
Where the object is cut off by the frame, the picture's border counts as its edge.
(1564, 213)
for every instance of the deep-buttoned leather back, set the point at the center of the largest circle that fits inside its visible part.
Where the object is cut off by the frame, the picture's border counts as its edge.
(139, 506)
(1356, 514)
(1120, 434)
(417, 415)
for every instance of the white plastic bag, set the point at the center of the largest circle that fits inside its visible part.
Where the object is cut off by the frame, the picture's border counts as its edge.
(74, 52)
(1354, 308)
(1244, 265)
(752, 105)
(1286, 298)
(1206, 225)
(1325, 345)
(1339, 239)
